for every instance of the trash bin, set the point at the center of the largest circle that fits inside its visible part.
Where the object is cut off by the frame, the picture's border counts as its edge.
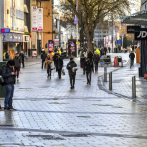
(2, 88)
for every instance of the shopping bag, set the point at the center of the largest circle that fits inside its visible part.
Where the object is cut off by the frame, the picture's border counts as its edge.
(63, 71)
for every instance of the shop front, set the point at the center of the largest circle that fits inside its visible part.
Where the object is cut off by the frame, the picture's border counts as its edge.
(140, 20)
(13, 41)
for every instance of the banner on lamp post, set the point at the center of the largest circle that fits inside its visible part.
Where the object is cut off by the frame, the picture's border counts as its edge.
(40, 20)
(76, 19)
(34, 18)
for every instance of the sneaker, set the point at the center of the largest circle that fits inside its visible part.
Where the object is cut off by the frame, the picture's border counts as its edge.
(17, 80)
(5, 108)
(11, 109)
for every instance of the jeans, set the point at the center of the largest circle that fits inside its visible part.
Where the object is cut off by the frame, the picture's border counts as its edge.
(17, 69)
(96, 66)
(49, 71)
(72, 80)
(9, 96)
(59, 72)
(88, 74)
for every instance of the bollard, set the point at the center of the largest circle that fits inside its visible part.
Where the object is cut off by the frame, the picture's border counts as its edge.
(105, 73)
(121, 63)
(110, 81)
(134, 87)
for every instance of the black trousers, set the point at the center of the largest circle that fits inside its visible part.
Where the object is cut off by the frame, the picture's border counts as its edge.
(49, 71)
(88, 75)
(72, 80)
(42, 63)
(59, 72)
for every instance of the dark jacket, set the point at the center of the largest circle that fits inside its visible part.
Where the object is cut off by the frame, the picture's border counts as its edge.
(132, 56)
(90, 55)
(17, 61)
(89, 66)
(59, 63)
(43, 56)
(6, 74)
(83, 60)
(70, 69)
(22, 57)
(96, 58)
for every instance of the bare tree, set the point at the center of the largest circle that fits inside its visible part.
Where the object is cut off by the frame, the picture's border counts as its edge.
(94, 12)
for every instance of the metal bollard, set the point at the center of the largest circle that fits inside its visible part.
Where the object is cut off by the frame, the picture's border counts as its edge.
(105, 73)
(110, 81)
(121, 63)
(134, 87)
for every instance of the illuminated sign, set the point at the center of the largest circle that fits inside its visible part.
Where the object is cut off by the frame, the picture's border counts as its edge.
(5, 30)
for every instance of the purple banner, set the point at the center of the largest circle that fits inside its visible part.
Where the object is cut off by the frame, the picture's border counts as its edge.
(76, 19)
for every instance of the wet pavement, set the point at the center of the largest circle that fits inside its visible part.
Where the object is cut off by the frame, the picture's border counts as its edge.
(50, 114)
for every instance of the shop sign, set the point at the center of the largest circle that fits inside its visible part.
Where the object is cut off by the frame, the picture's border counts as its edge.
(50, 45)
(140, 35)
(132, 29)
(12, 37)
(34, 18)
(26, 38)
(5, 30)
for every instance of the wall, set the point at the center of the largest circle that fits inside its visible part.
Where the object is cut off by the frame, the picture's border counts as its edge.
(47, 22)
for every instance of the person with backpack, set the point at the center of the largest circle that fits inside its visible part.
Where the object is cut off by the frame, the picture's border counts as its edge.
(72, 68)
(96, 61)
(17, 62)
(9, 80)
(88, 69)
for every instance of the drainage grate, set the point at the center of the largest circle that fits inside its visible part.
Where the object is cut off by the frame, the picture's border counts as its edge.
(117, 81)
(1, 125)
(75, 135)
(58, 103)
(25, 88)
(47, 137)
(103, 105)
(92, 100)
(84, 116)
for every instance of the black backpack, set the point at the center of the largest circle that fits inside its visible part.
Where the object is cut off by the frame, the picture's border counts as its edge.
(2, 80)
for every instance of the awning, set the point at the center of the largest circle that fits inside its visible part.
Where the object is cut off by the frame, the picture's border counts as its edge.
(26, 8)
(139, 18)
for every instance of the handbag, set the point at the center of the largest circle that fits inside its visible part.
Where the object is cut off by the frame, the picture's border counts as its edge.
(63, 71)
(145, 76)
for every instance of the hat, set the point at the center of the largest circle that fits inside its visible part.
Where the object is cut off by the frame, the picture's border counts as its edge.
(71, 57)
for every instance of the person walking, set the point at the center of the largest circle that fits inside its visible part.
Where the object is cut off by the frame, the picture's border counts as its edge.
(83, 60)
(96, 61)
(72, 68)
(22, 58)
(48, 62)
(132, 56)
(43, 57)
(9, 77)
(59, 65)
(88, 69)
(90, 55)
(17, 65)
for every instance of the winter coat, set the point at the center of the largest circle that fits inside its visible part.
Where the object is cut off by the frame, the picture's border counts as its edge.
(132, 56)
(17, 61)
(96, 58)
(48, 63)
(89, 66)
(6, 74)
(59, 63)
(70, 69)
(90, 55)
(83, 60)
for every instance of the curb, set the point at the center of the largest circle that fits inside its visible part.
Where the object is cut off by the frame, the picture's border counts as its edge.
(102, 86)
